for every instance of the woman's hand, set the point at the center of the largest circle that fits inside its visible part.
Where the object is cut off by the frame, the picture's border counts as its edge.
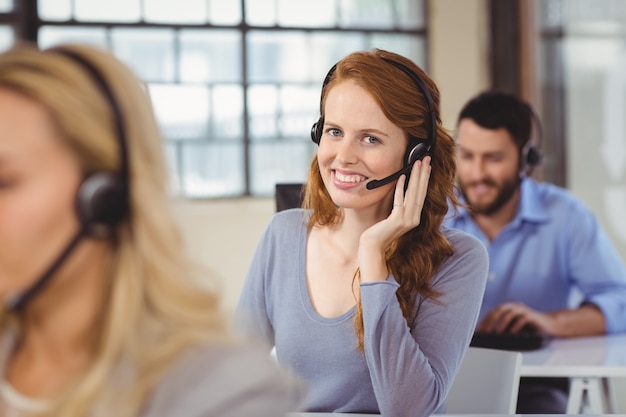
(405, 215)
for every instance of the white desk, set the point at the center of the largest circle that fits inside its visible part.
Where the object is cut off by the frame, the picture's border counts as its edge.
(449, 415)
(589, 362)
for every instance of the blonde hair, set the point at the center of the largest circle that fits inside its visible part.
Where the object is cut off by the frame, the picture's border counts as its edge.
(415, 257)
(156, 306)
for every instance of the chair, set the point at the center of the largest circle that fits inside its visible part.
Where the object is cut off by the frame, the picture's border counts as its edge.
(487, 383)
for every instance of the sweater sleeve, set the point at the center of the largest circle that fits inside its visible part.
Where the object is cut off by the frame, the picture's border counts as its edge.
(272, 264)
(594, 266)
(253, 315)
(412, 368)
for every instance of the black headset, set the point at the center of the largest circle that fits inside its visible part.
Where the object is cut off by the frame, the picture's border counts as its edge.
(418, 147)
(102, 200)
(531, 154)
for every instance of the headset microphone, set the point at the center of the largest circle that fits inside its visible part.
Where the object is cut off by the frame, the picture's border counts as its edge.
(18, 301)
(379, 183)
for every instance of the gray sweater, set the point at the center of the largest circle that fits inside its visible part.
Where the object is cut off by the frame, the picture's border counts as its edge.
(233, 381)
(405, 370)
(209, 381)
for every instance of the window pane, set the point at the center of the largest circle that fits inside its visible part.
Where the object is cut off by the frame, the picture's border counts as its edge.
(53, 35)
(210, 56)
(299, 109)
(550, 13)
(54, 9)
(173, 156)
(224, 12)
(329, 47)
(307, 13)
(410, 14)
(150, 52)
(279, 162)
(6, 37)
(227, 112)
(182, 111)
(6, 6)
(108, 10)
(213, 170)
(411, 46)
(278, 57)
(262, 111)
(170, 11)
(286, 112)
(406, 14)
(367, 13)
(261, 12)
(601, 17)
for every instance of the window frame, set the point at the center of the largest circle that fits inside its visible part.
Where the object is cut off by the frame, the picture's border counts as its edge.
(28, 25)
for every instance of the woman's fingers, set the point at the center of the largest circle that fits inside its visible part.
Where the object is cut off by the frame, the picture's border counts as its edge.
(418, 186)
(408, 206)
(398, 196)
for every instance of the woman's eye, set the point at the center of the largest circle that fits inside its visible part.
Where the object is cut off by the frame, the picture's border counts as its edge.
(371, 139)
(334, 132)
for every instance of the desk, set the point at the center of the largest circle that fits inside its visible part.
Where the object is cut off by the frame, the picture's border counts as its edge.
(589, 362)
(449, 415)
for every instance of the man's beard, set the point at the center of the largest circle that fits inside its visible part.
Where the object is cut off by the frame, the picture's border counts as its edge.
(504, 194)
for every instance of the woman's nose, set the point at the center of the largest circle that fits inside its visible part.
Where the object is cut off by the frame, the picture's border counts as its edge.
(347, 151)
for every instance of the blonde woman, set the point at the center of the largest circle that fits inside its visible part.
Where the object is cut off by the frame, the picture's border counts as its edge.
(103, 314)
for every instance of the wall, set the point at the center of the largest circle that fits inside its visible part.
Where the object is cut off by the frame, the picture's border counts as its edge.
(458, 52)
(222, 235)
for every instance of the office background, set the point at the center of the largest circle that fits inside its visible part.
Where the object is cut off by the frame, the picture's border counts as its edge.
(233, 130)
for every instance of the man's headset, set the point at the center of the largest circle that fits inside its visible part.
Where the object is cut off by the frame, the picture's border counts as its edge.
(531, 154)
(418, 147)
(102, 200)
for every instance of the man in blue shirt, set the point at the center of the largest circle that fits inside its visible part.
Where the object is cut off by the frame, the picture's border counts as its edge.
(552, 267)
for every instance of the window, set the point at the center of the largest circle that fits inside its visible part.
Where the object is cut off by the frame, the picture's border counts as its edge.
(236, 84)
(7, 34)
(583, 56)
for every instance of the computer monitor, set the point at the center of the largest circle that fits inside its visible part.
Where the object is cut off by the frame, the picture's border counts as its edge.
(289, 196)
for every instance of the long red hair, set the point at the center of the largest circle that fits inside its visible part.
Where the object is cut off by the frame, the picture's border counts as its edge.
(415, 257)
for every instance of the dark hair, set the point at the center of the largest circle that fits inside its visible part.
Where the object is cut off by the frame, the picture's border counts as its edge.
(415, 257)
(495, 110)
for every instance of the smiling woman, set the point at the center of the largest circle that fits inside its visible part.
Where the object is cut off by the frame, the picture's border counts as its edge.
(362, 292)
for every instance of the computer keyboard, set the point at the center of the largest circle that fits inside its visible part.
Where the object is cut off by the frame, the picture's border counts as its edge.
(510, 341)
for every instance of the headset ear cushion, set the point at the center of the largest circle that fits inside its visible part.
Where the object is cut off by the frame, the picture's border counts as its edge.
(316, 130)
(533, 157)
(416, 153)
(101, 202)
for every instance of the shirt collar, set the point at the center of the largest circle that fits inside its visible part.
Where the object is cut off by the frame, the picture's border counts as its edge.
(531, 208)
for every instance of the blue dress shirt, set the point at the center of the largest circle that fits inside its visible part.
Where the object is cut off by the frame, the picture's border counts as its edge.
(552, 253)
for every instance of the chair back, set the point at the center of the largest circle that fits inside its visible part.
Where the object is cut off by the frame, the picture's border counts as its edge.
(288, 196)
(487, 383)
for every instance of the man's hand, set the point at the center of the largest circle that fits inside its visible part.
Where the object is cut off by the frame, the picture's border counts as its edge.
(514, 317)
